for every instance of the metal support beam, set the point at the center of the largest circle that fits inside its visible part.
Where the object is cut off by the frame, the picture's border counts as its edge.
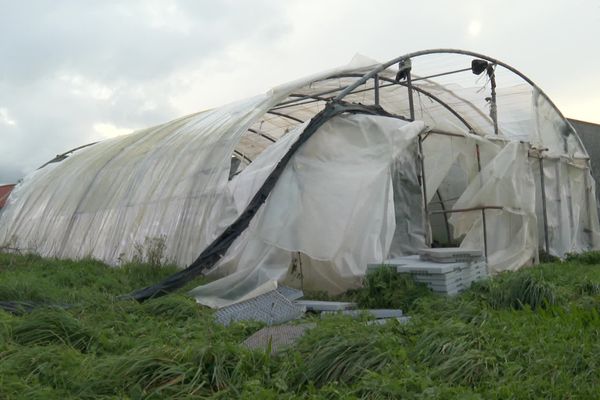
(284, 116)
(384, 66)
(485, 244)
(269, 138)
(317, 97)
(60, 157)
(411, 103)
(240, 154)
(376, 89)
(300, 101)
(423, 182)
(365, 77)
(422, 91)
(445, 133)
(493, 104)
(588, 203)
(422, 78)
(483, 219)
(456, 210)
(448, 232)
(544, 209)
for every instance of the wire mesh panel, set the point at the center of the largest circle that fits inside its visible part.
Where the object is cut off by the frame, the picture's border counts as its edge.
(277, 337)
(290, 293)
(270, 308)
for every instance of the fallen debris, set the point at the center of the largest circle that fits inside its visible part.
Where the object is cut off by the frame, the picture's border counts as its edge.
(271, 308)
(324, 306)
(445, 270)
(277, 337)
(451, 255)
(376, 313)
(401, 320)
(290, 293)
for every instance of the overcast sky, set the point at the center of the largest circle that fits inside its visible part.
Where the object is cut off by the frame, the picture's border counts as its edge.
(73, 72)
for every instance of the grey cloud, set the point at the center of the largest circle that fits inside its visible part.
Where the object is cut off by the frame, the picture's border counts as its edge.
(114, 41)
(68, 65)
(55, 54)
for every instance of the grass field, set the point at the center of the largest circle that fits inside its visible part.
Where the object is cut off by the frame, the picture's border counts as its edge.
(524, 335)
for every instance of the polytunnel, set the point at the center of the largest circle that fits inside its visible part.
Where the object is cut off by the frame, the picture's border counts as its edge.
(310, 182)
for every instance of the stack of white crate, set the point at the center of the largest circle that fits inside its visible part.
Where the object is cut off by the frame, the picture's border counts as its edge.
(443, 270)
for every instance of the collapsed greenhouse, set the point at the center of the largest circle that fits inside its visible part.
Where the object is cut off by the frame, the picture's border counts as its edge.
(312, 181)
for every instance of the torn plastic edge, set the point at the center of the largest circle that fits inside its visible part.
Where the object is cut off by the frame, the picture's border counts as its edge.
(217, 249)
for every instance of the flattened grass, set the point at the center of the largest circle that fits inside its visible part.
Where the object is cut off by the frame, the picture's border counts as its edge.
(530, 334)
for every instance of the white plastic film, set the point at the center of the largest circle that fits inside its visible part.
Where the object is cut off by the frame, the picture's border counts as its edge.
(163, 185)
(333, 205)
(349, 196)
(511, 232)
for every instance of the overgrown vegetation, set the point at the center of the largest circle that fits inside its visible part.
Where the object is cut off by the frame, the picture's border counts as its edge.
(384, 288)
(530, 334)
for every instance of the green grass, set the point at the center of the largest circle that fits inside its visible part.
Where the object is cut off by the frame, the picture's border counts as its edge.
(530, 334)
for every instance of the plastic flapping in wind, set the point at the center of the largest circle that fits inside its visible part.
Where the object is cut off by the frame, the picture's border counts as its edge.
(443, 157)
(165, 183)
(332, 210)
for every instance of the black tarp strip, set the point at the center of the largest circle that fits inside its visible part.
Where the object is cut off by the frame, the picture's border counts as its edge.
(217, 249)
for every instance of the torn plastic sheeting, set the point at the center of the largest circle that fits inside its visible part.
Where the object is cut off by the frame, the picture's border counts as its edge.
(333, 204)
(219, 246)
(507, 180)
(162, 182)
(171, 182)
(570, 196)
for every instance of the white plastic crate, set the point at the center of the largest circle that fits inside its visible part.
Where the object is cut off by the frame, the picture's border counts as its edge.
(442, 277)
(319, 306)
(450, 254)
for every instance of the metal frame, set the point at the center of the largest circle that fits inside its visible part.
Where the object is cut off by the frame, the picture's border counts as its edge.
(493, 104)
(423, 183)
(446, 223)
(484, 227)
(538, 154)
(377, 86)
(380, 81)
(60, 157)
(375, 74)
(279, 114)
(483, 219)
(264, 135)
(371, 74)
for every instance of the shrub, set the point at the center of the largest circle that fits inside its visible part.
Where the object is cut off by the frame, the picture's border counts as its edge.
(518, 290)
(151, 252)
(588, 287)
(343, 360)
(456, 354)
(590, 257)
(385, 288)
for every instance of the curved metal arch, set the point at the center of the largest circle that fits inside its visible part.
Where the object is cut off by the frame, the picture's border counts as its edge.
(415, 54)
(428, 94)
(62, 156)
(420, 53)
(264, 135)
(284, 116)
(219, 246)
